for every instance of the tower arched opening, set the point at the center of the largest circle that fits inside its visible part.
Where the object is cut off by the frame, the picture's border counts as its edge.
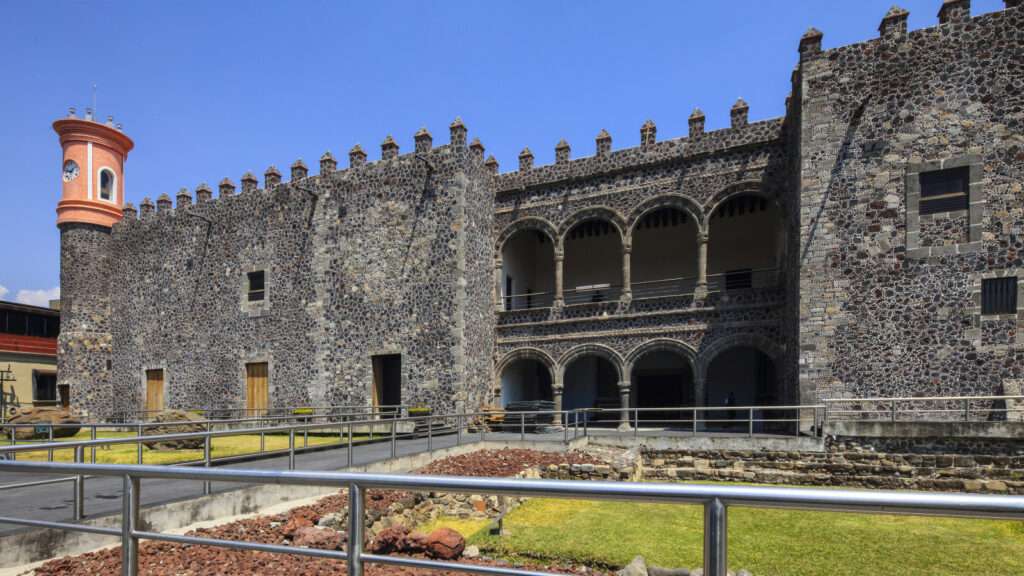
(664, 256)
(745, 240)
(591, 381)
(528, 270)
(593, 262)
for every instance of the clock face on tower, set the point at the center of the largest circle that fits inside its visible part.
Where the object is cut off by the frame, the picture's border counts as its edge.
(70, 170)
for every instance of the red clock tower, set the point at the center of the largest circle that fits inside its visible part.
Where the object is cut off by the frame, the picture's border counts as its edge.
(93, 170)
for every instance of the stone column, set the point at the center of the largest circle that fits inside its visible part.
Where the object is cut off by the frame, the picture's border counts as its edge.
(624, 403)
(702, 265)
(627, 288)
(559, 260)
(499, 304)
(556, 395)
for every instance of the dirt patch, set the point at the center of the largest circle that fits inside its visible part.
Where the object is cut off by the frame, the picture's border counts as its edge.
(162, 558)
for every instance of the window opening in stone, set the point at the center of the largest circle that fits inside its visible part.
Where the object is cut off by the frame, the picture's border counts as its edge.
(45, 389)
(944, 190)
(387, 384)
(257, 286)
(999, 295)
(106, 185)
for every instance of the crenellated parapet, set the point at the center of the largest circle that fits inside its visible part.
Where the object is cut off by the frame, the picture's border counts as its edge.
(605, 161)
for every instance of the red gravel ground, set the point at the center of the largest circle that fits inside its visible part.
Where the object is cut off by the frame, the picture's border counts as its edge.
(165, 559)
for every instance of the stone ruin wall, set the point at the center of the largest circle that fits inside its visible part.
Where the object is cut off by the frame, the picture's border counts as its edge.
(380, 258)
(888, 307)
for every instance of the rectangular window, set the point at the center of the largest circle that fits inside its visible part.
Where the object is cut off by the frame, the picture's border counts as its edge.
(999, 296)
(944, 190)
(45, 388)
(257, 287)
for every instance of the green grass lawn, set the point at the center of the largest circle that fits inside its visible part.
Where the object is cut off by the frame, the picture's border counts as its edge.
(767, 542)
(221, 447)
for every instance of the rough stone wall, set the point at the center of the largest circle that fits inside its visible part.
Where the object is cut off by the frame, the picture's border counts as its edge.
(887, 307)
(84, 344)
(389, 257)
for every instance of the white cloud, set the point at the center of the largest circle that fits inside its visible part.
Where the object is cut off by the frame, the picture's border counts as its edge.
(38, 297)
(3, 291)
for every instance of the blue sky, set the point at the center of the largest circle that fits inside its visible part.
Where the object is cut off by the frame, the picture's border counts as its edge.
(212, 89)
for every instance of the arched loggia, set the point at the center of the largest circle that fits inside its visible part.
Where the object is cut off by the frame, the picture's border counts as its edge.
(745, 241)
(742, 376)
(593, 261)
(664, 254)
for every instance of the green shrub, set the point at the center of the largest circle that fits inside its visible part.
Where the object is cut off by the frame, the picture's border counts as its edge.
(302, 412)
(419, 411)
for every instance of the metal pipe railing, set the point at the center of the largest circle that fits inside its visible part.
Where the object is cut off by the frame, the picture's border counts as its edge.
(716, 500)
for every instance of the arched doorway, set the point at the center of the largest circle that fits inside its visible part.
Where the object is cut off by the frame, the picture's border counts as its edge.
(591, 381)
(742, 376)
(745, 239)
(528, 270)
(664, 257)
(663, 378)
(525, 379)
(592, 270)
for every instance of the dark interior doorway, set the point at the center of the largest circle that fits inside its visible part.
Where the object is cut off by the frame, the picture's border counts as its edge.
(387, 383)
(663, 379)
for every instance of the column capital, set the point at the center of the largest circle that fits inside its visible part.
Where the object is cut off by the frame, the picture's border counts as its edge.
(624, 385)
(702, 236)
(559, 253)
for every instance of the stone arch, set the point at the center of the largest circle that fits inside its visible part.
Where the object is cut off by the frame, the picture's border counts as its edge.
(526, 223)
(752, 187)
(529, 353)
(677, 201)
(599, 350)
(593, 213)
(526, 381)
(658, 344)
(707, 354)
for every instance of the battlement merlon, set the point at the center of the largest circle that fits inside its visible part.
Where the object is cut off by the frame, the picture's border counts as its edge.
(441, 161)
(701, 143)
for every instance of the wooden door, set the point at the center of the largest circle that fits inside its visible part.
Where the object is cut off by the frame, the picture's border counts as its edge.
(256, 388)
(154, 390)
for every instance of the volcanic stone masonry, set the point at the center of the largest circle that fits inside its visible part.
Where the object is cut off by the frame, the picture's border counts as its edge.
(872, 295)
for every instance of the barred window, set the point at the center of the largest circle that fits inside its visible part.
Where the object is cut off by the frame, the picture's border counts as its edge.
(944, 190)
(257, 289)
(999, 295)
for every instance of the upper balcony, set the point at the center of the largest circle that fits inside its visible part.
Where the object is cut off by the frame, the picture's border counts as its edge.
(667, 259)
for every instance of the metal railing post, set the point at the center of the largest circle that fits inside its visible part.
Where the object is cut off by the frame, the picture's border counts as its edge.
(694, 421)
(636, 422)
(716, 536)
(138, 443)
(356, 504)
(893, 414)
(967, 410)
(522, 426)
(49, 453)
(79, 500)
(92, 436)
(129, 524)
(394, 439)
(430, 433)
(750, 422)
(458, 429)
(586, 424)
(206, 462)
(350, 445)
(291, 448)
(263, 441)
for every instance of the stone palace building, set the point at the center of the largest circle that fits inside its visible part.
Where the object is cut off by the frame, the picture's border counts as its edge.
(868, 243)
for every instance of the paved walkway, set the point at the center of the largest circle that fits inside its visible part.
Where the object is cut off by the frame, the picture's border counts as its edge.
(54, 502)
(103, 494)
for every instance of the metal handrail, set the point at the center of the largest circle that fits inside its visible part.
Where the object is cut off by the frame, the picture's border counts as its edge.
(716, 500)
(892, 408)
